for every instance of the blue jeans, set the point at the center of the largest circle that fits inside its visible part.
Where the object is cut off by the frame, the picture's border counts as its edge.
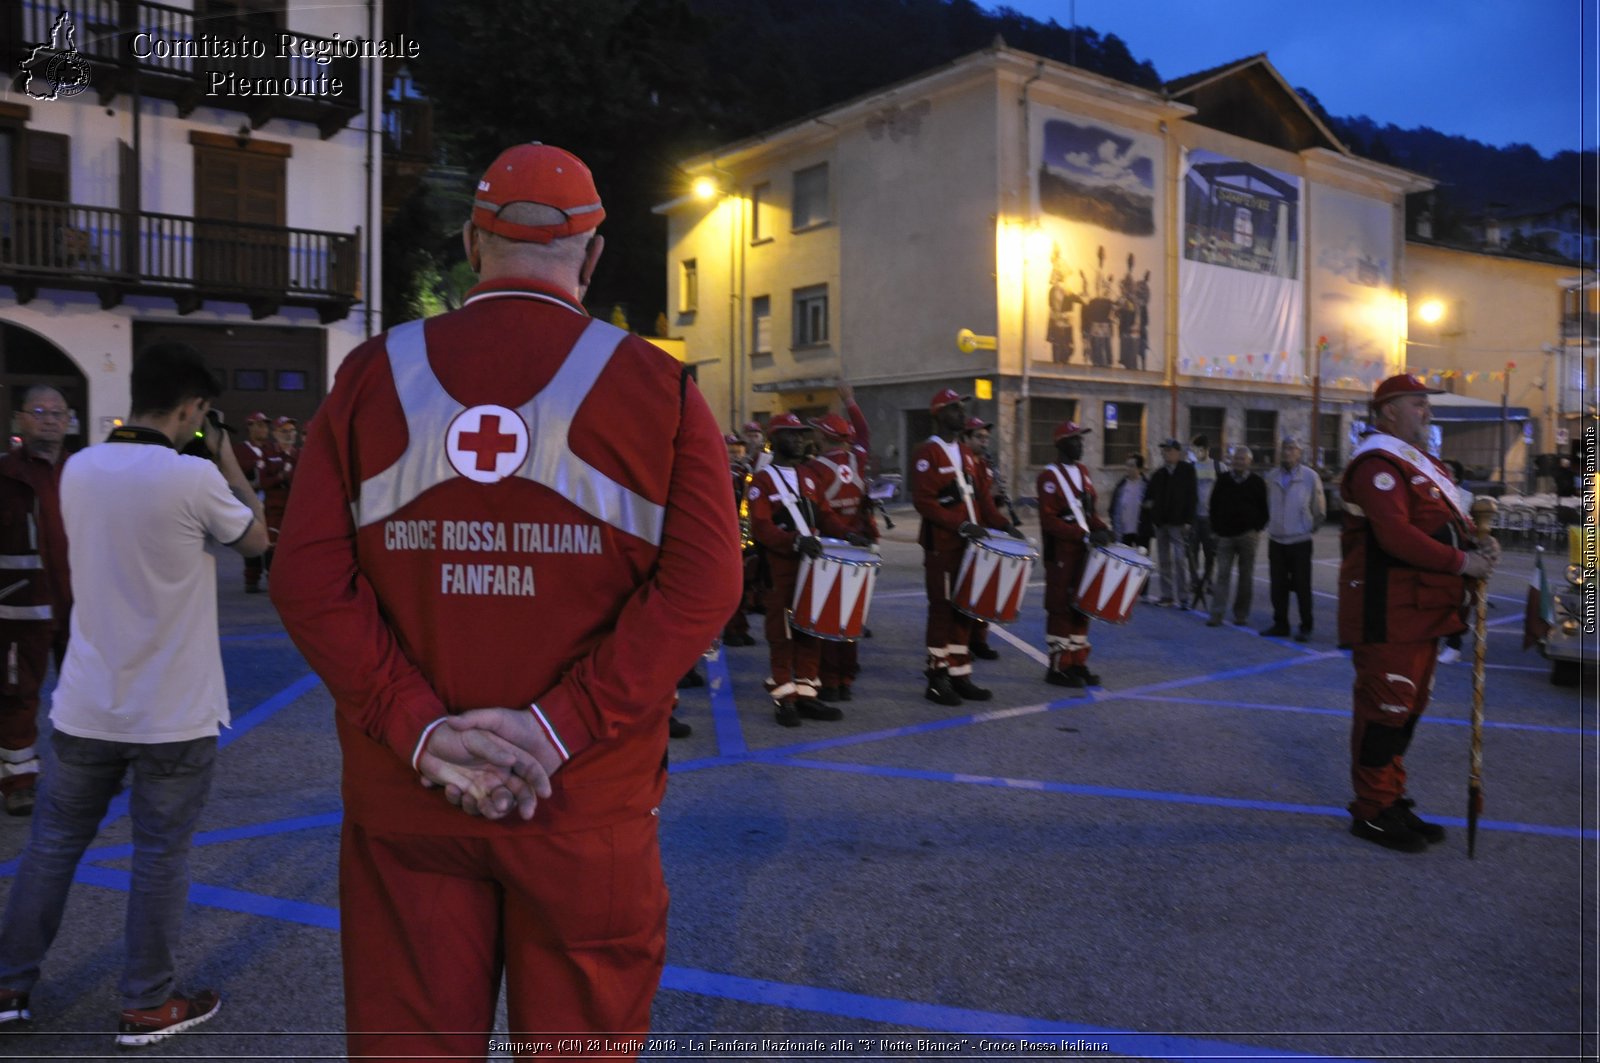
(170, 784)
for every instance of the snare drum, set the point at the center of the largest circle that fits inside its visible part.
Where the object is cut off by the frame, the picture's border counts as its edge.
(992, 577)
(832, 592)
(1113, 576)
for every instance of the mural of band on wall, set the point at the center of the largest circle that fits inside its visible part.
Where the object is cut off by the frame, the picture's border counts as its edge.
(1240, 293)
(1099, 207)
(1355, 313)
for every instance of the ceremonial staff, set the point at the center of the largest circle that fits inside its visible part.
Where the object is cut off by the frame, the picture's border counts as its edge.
(1483, 509)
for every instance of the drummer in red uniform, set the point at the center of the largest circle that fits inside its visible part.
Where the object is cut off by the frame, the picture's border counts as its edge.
(943, 488)
(976, 439)
(787, 513)
(1070, 525)
(1408, 551)
(840, 471)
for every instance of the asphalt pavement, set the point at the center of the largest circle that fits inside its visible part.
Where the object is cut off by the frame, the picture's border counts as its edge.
(1158, 868)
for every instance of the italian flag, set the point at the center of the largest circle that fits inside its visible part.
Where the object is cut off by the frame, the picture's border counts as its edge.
(1541, 614)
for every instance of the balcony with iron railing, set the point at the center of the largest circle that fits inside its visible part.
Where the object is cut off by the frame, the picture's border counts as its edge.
(105, 32)
(117, 253)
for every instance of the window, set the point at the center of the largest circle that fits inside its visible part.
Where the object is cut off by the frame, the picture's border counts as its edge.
(688, 286)
(1127, 439)
(760, 206)
(1209, 421)
(249, 380)
(810, 196)
(1043, 416)
(292, 380)
(1327, 444)
(761, 325)
(1261, 435)
(811, 315)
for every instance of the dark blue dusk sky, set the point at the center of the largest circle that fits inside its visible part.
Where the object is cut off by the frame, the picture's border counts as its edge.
(1499, 71)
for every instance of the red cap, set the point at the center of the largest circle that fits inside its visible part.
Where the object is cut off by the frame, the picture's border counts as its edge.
(945, 398)
(975, 423)
(731, 439)
(285, 420)
(1401, 384)
(541, 174)
(257, 416)
(752, 426)
(1067, 429)
(785, 422)
(833, 426)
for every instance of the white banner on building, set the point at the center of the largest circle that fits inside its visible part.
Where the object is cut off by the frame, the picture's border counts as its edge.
(1240, 288)
(1356, 315)
(1098, 206)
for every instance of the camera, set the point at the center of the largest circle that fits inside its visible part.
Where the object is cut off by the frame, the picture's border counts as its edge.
(196, 447)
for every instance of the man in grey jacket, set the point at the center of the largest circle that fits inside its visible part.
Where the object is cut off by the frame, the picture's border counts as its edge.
(1296, 509)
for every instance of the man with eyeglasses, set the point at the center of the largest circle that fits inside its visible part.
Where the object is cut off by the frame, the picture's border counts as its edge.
(35, 588)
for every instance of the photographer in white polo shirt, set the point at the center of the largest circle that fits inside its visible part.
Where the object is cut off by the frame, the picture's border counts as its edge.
(141, 687)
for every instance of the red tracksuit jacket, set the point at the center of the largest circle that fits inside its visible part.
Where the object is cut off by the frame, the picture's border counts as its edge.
(508, 504)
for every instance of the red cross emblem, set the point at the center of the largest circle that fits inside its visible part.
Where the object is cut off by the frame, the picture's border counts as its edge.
(487, 443)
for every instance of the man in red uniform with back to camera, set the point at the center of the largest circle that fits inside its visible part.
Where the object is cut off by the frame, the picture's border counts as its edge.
(509, 536)
(787, 514)
(943, 489)
(841, 472)
(1408, 552)
(277, 477)
(1070, 525)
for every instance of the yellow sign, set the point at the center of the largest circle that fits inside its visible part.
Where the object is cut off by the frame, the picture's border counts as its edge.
(967, 342)
(983, 388)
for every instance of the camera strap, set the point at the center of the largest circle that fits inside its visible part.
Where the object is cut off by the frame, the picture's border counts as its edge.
(133, 433)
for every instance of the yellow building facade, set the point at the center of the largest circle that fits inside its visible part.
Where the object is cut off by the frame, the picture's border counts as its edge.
(1205, 259)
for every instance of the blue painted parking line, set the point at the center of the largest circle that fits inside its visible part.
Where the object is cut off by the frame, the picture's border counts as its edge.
(228, 900)
(724, 712)
(1449, 721)
(1164, 797)
(253, 718)
(994, 1026)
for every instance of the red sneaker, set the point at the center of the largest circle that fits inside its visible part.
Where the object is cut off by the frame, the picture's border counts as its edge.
(146, 1026)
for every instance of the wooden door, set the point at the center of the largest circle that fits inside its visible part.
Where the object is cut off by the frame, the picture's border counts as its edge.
(247, 187)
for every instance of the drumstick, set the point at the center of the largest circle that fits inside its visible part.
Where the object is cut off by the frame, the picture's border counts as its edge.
(1483, 509)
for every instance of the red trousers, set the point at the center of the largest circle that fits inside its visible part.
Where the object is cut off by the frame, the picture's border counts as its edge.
(28, 646)
(839, 663)
(949, 630)
(1066, 630)
(577, 922)
(1393, 683)
(796, 657)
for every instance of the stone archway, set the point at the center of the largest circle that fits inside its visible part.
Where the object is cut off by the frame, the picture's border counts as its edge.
(27, 358)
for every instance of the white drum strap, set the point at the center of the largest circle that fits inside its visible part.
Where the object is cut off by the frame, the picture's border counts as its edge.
(789, 480)
(1071, 497)
(957, 466)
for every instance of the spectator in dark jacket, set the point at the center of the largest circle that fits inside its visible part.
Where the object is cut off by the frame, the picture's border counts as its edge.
(1238, 513)
(1170, 500)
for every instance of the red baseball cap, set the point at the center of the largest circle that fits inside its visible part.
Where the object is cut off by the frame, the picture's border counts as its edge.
(945, 398)
(285, 420)
(1401, 384)
(257, 416)
(975, 423)
(785, 422)
(752, 426)
(833, 426)
(1068, 429)
(544, 175)
(731, 439)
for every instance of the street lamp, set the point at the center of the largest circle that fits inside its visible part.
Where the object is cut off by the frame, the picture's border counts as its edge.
(1431, 311)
